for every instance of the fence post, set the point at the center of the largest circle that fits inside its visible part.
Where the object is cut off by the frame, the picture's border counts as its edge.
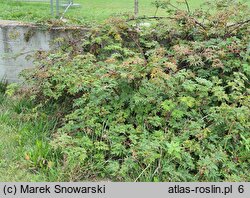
(57, 8)
(52, 7)
(136, 8)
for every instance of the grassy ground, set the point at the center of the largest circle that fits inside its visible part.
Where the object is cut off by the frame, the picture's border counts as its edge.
(90, 10)
(18, 136)
(11, 166)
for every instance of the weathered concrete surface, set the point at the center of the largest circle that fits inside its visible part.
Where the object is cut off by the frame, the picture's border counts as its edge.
(18, 41)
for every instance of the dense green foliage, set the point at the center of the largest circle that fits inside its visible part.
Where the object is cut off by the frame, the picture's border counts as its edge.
(168, 102)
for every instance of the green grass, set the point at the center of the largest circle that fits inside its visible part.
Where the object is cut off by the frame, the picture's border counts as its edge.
(10, 160)
(11, 166)
(102, 9)
(20, 130)
(90, 10)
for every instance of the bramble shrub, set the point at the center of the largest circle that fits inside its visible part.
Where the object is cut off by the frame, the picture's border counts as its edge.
(169, 102)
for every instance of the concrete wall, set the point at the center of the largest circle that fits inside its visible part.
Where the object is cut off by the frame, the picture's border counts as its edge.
(18, 41)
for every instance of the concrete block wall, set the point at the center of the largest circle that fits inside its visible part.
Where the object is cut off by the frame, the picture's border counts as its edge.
(18, 41)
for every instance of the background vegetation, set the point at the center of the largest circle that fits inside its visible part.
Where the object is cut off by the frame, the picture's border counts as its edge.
(89, 11)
